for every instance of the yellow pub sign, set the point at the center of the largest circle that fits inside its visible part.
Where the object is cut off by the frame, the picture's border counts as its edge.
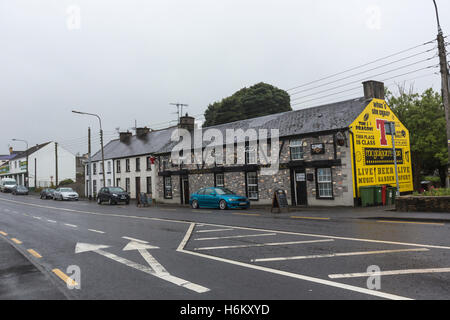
(372, 152)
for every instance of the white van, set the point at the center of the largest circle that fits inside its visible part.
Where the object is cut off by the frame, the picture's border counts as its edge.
(7, 184)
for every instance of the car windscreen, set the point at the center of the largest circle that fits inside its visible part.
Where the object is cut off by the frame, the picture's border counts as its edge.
(66, 190)
(22, 188)
(116, 190)
(9, 183)
(222, 191)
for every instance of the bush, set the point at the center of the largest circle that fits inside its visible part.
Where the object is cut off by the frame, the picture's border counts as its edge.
(66, 182)
(435, 192)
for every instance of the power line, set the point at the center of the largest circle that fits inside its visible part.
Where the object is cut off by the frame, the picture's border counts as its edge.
(362, 72)
(363, 65)
(364, 79)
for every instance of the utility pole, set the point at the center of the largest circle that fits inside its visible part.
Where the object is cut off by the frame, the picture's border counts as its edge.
(56, 164)
(89, 165)
(445, 86)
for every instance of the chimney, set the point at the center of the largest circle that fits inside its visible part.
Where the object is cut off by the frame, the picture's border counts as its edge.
(187, 122)
(11, 150)
(142, 132)
(373, 90)
(125, 136)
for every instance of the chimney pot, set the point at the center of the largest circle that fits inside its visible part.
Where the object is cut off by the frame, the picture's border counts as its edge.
(125, 136)
(373, 90)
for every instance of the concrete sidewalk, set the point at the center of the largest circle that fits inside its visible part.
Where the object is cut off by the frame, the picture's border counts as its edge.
(22, 280)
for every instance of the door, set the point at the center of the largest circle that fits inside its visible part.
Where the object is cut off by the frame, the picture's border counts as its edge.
(186, 195)
(300, 188)
(138, 186)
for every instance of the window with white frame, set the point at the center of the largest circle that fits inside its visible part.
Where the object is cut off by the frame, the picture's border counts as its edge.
(127, 165)
(220, 180)
(250, 155)
(127, 184)
(324, 183)
(109, 167)
(118, 166)
(252, 185)
(296, 147)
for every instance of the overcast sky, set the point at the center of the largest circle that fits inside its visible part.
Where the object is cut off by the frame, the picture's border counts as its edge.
(128, 59)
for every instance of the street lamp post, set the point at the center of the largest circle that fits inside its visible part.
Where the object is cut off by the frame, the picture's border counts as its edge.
(445, 85)
(101, 142)
(26, 153)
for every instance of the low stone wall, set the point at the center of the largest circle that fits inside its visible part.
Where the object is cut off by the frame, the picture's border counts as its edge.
(423, 204)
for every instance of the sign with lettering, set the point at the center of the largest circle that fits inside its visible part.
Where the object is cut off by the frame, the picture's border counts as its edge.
(317, 148)
(372, 151)
(280, 201)
(300, 177)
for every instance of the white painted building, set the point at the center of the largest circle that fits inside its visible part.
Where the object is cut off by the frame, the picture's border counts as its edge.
(97, 175)
(42, 166)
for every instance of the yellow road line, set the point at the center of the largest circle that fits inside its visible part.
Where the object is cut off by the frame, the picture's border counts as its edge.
(16, 241)
(411, 222)
(247, 214)
(64, 277)
(310, 218)
(34, 253)
(3, 233)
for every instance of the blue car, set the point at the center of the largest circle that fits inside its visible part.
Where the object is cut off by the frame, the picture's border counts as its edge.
(221, 198)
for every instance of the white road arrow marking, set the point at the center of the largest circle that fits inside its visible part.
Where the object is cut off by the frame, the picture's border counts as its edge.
(87, 247)
(142, 249)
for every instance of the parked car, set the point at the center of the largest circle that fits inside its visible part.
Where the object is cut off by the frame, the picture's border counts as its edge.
(113, 195)
(221, 198)
(20, 190)
(65, 194)
(47, 193)
(7, 184)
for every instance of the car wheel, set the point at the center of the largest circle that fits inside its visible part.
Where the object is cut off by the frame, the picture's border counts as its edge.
(127, 202)
(99, 201)
(222, 204)
(195, 204)
(110, 202)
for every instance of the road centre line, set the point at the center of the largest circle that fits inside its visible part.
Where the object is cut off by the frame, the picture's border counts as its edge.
(52, 221)
(285, 273)
(97, 231)
(3, 233)
(247, 214)
(215, 230)
(39, 218)
(389, 273)
(236, 227)
(70, 225)
(233, 237)
(411, 222)
(264, 244)
(333, 255)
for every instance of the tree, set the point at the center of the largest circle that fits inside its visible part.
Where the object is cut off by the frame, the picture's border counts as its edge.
(258, 100)
(424, 116)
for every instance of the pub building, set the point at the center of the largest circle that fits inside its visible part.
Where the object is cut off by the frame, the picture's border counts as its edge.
(326, 154)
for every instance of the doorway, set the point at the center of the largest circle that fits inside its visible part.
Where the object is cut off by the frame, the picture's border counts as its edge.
(300, 187)
(138, 187)
(185, 191)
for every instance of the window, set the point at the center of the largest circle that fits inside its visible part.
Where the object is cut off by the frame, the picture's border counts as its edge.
(138, 164)
(109, 183)
(252, 185)
(324, 183)
(109, 167)
(94, 168)
(296, 147)
(94, 186)
(127, 165)
(168, 187)
(87, 170)
(250, 155)
(101, 168)
(118, 166)
(149, 185)
(220, 180)
(149, 163)
(118, 182)
(127, 184)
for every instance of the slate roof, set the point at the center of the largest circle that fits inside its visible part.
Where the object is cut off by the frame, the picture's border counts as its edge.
(328, 117)
(30, 150)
